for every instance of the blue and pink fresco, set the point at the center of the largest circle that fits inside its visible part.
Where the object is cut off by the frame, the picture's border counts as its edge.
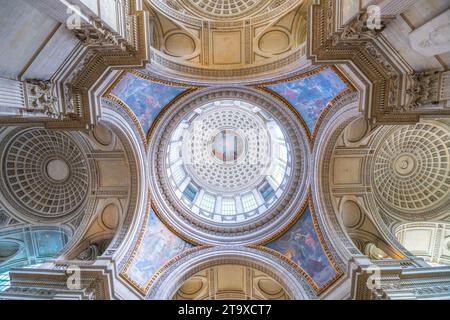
(146, 98)
(301, 244)
(309, 96)
(30, 245)
(159, 245)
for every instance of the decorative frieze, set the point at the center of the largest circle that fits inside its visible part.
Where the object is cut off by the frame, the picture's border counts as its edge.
(357, 29)
(97, 35)
(61, 281)
(426, 89)
(40, 97)
(378, 283)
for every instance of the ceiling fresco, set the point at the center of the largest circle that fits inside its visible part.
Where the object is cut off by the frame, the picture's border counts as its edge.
(157, 246)
(144, 97)
(21, 247)
(224, 149)
(311, 95)
(301, 245)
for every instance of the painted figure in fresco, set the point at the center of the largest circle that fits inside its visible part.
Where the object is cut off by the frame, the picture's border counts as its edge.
(312, 94)
(301, 245)
(145, 98)
(305, 250)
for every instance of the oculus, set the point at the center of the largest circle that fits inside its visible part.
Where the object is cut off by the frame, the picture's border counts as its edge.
(227, 146)
(58, 170)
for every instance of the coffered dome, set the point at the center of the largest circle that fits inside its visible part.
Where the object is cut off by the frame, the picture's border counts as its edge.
(46, 175)
(224, 149)
(228, 161)
(225, 9)
(227, 165)
(218, 10)
(411, 168)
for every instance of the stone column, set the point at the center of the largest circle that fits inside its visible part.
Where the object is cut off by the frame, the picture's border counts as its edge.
(395, 7)
(32, 98)
(11, 97)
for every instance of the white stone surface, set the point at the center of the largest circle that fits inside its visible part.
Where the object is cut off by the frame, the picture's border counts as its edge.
(432, 38)
(52, 55)
(27, 30)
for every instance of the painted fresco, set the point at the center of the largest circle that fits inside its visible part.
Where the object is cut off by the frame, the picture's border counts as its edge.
(309, 96)
(146, 98)
(159, 245)
(30, 245)
(301, 244)
(49, 243)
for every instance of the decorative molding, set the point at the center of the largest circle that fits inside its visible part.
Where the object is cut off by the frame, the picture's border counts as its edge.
(355, 45)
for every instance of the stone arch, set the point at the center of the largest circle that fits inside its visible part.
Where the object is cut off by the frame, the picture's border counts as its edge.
(126, 129)
(168, 283)
(345, 111)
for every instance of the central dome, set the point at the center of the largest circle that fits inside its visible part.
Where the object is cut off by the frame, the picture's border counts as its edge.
(228, 166)
(227, 161)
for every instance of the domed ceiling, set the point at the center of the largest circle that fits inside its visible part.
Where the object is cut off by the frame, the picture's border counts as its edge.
(232, 163)
(224, 166)
(57, 180)
(411, 170)
(222, 159)
(390, 187)
(227, 39)
(235, 159)
(229, 166)
(61, 191)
